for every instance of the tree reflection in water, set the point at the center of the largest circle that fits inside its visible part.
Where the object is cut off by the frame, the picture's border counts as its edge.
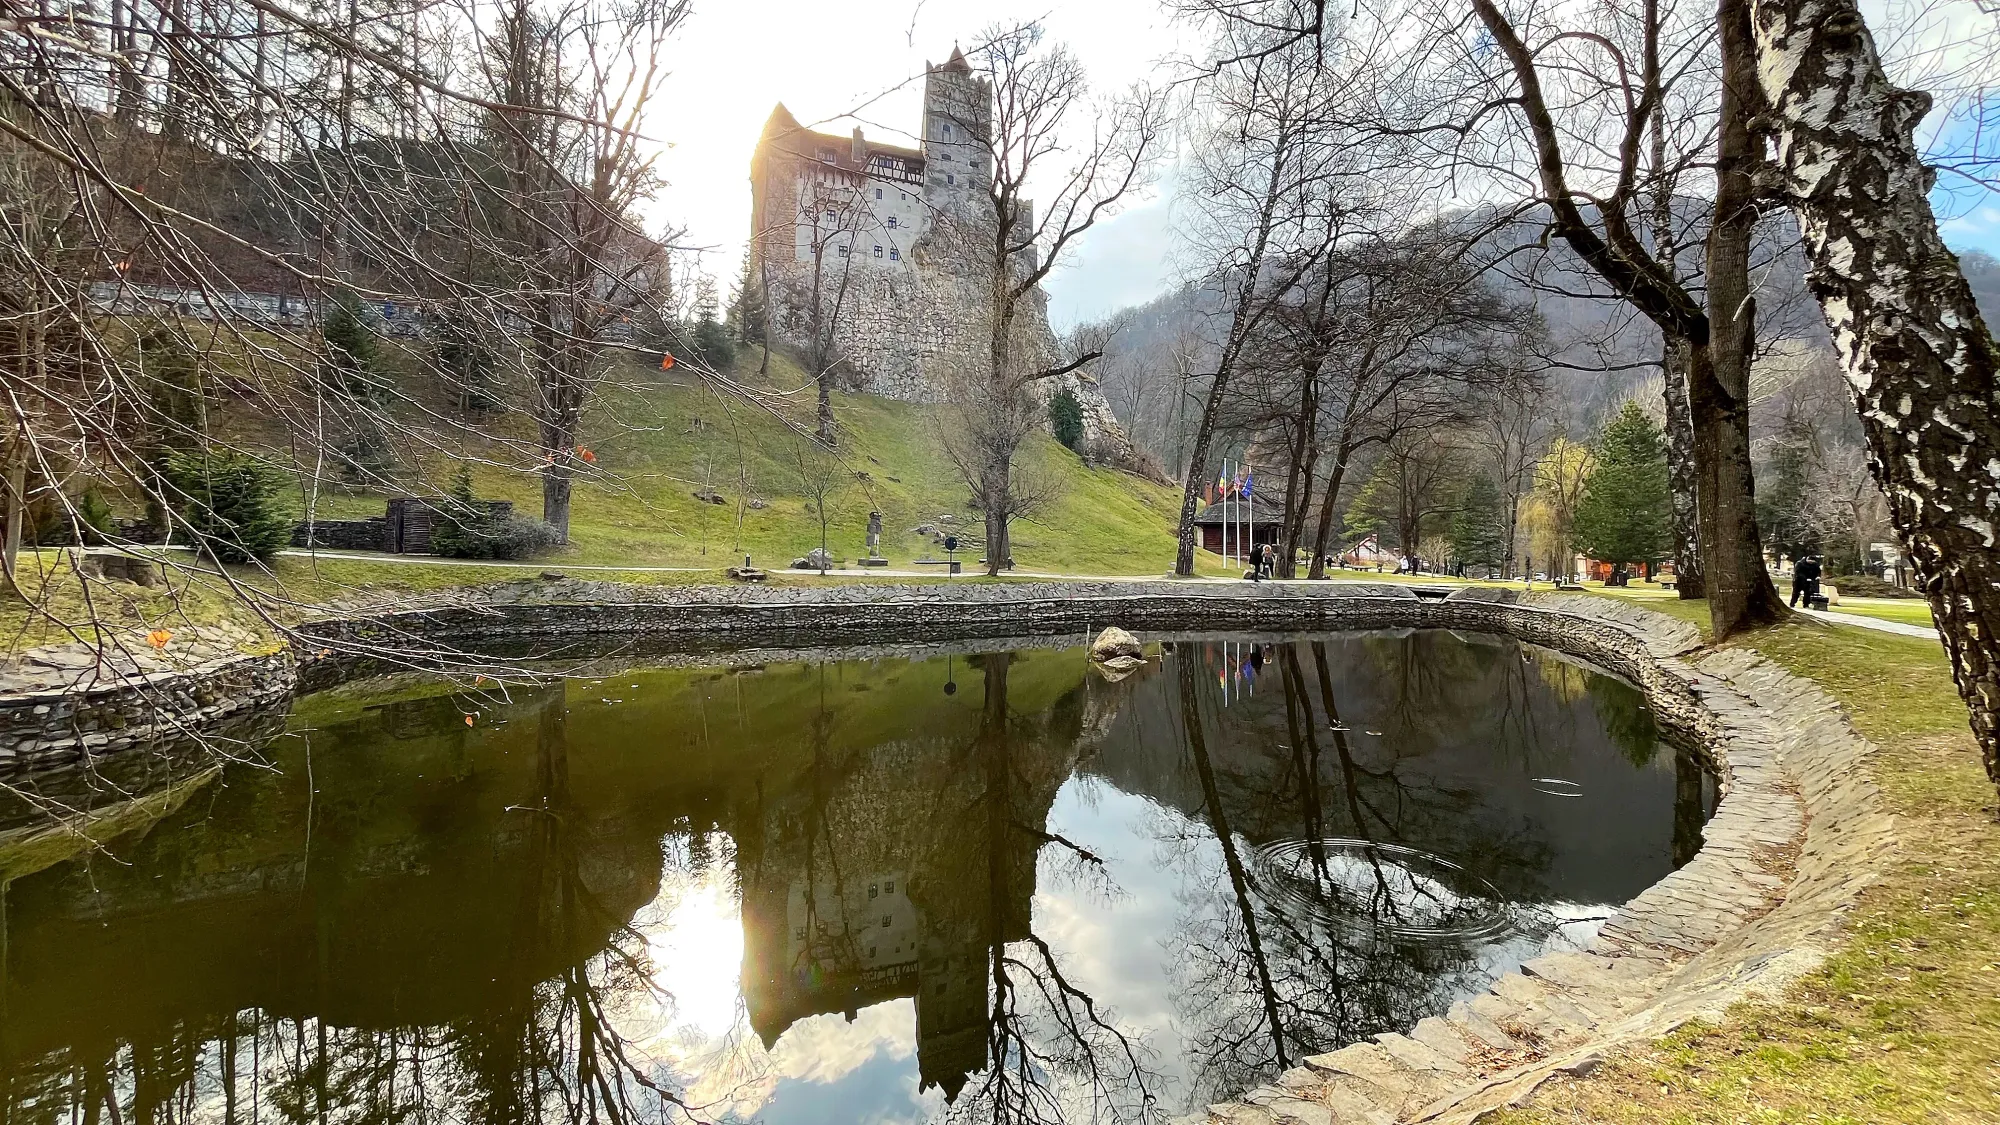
(1350, 945)
(822, 892)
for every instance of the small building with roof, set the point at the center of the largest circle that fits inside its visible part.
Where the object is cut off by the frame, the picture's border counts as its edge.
(1249, 523)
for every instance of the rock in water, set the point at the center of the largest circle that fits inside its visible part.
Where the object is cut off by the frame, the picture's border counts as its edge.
(1116, 644)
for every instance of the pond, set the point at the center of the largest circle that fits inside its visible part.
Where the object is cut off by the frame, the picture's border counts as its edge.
(964, 885)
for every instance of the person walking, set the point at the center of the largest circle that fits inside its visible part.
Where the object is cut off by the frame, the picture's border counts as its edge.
(1805, 580)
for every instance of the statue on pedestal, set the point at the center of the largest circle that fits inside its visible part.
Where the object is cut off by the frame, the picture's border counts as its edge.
(874, 535)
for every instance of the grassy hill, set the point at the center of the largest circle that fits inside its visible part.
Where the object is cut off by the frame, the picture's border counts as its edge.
(660, 440)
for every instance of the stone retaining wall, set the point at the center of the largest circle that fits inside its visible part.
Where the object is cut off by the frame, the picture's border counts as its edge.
(103, 710)
(1798, 834)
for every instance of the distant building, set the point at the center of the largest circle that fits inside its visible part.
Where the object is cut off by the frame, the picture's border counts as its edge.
(883, 251)
(1248, 522)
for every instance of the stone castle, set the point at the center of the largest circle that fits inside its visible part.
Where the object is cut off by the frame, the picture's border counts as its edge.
(876, 258)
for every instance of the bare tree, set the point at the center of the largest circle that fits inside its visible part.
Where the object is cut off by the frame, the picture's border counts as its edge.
(1515, 425)
(572, 87)
(1268, 212)
(1036, 116)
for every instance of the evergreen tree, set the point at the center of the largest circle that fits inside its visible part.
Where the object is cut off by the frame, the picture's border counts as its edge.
(462, 527)
(466, 358)
(713, 344)
(1066, 418)
(1785, 499)
(349, 364)
(1626, 513)
(231, 502)
(746, 312)
(1478, 532)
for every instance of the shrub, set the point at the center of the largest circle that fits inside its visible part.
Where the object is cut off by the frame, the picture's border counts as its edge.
(1066, 419)
(94, 518)
(521, 537)
(230, 501)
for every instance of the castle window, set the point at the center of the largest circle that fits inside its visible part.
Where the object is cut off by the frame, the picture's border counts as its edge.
(878, 251)
(947, 129)
(826, 156)
(944, 156)
(829, 216)
(843, 249)
(892, 255)
(892, 219)
(878, 193)
(949, 179)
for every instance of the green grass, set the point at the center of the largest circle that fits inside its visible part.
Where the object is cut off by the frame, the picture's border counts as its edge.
(1903, 611)
(1903, 1023)
(659, 442)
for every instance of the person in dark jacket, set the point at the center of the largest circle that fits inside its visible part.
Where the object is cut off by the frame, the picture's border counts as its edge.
(1805, 580)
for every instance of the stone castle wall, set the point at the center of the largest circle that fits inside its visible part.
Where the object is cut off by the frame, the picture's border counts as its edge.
(913, 322)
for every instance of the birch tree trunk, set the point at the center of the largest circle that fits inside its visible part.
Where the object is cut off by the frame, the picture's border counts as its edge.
(1688, 580)
(1917, 353)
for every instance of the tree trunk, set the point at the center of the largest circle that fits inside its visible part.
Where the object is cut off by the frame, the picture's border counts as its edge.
(1298, 479)
(1295, 516)
(555, 499)
(1204, 434)
(1740, 593)
(995, 488)
(17, 509)
(1326, 513)
(1681, 477)
(1916, 351)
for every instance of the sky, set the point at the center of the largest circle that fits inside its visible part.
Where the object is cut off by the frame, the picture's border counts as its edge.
(837, 65)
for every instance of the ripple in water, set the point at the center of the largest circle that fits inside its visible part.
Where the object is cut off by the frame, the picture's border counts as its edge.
(1383, 891)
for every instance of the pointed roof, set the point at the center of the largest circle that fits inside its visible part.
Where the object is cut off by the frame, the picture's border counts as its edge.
(956, 64)
(781, 121)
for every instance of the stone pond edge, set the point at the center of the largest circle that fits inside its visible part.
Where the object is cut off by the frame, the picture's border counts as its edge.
(1799, 833)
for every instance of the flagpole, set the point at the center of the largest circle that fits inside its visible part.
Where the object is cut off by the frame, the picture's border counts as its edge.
(1249, 485)
(1226, 556)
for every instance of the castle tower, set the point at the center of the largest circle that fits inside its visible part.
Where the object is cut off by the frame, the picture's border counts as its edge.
(958, 119)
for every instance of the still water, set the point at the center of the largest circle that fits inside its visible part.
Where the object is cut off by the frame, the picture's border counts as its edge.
(983, 886)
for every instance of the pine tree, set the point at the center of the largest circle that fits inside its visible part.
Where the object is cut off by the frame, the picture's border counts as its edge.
(350, 363)
(746, 312)
(1066, 419)
(461, 527)
(1478, 534)
(1784, 500)
(232, 502)
(1626, 513)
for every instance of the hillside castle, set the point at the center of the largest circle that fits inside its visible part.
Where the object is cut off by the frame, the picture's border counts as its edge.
(885, 249)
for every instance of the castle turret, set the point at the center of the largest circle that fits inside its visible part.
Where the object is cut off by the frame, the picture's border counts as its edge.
(958, 119)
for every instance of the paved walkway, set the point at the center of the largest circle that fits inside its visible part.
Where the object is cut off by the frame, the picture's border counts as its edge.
(1875, 623)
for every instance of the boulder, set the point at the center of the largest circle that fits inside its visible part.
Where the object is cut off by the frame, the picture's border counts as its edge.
(816, 559)
(1116, 644)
